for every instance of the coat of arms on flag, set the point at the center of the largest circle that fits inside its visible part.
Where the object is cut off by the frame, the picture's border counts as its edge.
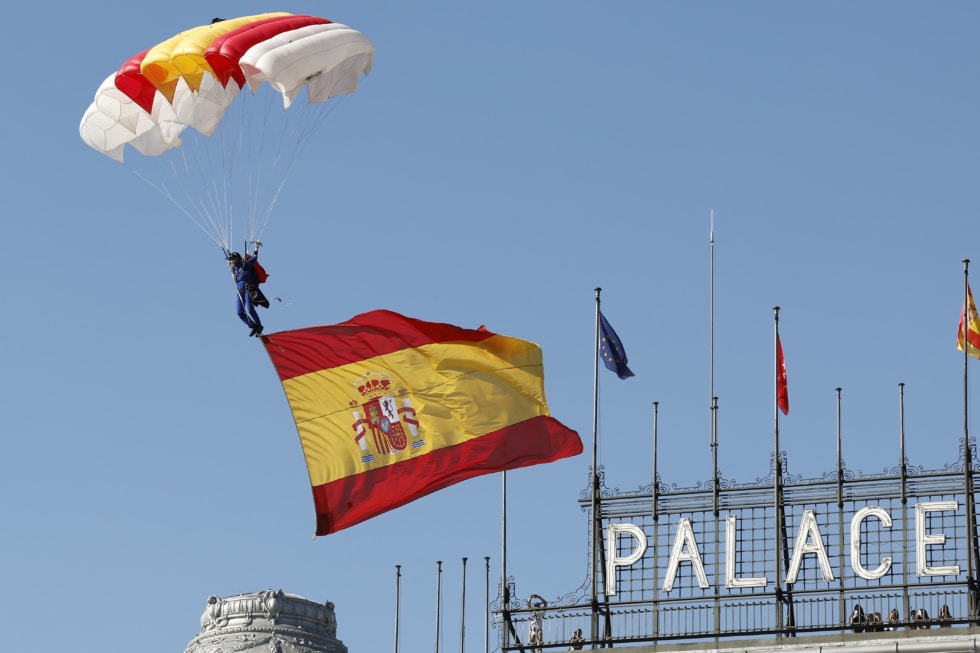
(379, 421)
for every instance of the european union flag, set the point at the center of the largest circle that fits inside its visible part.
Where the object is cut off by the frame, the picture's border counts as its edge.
(611, 349)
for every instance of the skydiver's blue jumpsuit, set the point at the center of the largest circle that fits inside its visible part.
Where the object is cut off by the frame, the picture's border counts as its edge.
(245, 275)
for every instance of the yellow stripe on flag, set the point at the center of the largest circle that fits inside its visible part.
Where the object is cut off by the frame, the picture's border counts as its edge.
(391, 408)
(456, 392)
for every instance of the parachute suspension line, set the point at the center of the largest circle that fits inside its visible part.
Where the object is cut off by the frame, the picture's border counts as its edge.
(241, 160)
(274, 140)
(228, 146)
(285, 148)
(242, 132)
(197, 189)
(261, 120)
(213, 203)
(198, 166)
(312, 118)
(238, 173)
(295, 136)
(165, 191)
(282, 148)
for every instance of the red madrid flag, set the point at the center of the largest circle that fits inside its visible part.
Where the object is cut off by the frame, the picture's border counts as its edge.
(782, 390)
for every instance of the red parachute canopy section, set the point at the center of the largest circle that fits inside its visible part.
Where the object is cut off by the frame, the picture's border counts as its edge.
(226, 51)
(131, 82)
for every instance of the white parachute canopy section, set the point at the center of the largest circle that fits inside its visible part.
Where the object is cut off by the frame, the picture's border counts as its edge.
(114, 120)
(327, 59)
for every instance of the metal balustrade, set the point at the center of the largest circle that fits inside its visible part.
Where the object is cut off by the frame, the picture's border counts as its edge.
(694, 607)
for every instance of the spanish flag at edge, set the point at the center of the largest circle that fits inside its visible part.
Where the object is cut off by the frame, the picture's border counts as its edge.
(973, 337)
(391, 408)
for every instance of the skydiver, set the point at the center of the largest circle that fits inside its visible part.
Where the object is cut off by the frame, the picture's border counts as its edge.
(247, 282)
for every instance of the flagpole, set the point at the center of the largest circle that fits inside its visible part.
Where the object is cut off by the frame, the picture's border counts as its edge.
(486, 606)
(462, 611)
(781, 535)
(777, 531)
(656, 515)
(712, 397)
(775, 396)
(716, 497)
(595, 474)
(842, 609)
(901, 442)
(780, 518)
(966, 345)
(438, 600)
(904, 467)
(613, 354)
(840, 456)
(711, 311)
(398, 589)
(973, 561)
(655, 494)
(504, 589)
(966, 360)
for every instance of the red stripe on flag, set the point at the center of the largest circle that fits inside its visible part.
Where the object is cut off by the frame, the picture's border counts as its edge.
(295, 353)
(353, 499)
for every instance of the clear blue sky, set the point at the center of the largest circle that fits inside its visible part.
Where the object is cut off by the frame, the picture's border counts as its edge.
(502, 160)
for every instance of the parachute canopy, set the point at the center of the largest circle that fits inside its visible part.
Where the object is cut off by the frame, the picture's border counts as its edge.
(192, 80)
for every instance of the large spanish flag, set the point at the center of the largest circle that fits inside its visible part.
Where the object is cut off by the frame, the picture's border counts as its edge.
(390, 409)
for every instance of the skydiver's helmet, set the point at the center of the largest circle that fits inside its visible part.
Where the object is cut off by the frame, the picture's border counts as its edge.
(234, 256)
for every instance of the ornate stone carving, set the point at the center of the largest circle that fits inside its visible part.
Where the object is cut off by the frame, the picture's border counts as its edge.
(330, 619)
(267, 622)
